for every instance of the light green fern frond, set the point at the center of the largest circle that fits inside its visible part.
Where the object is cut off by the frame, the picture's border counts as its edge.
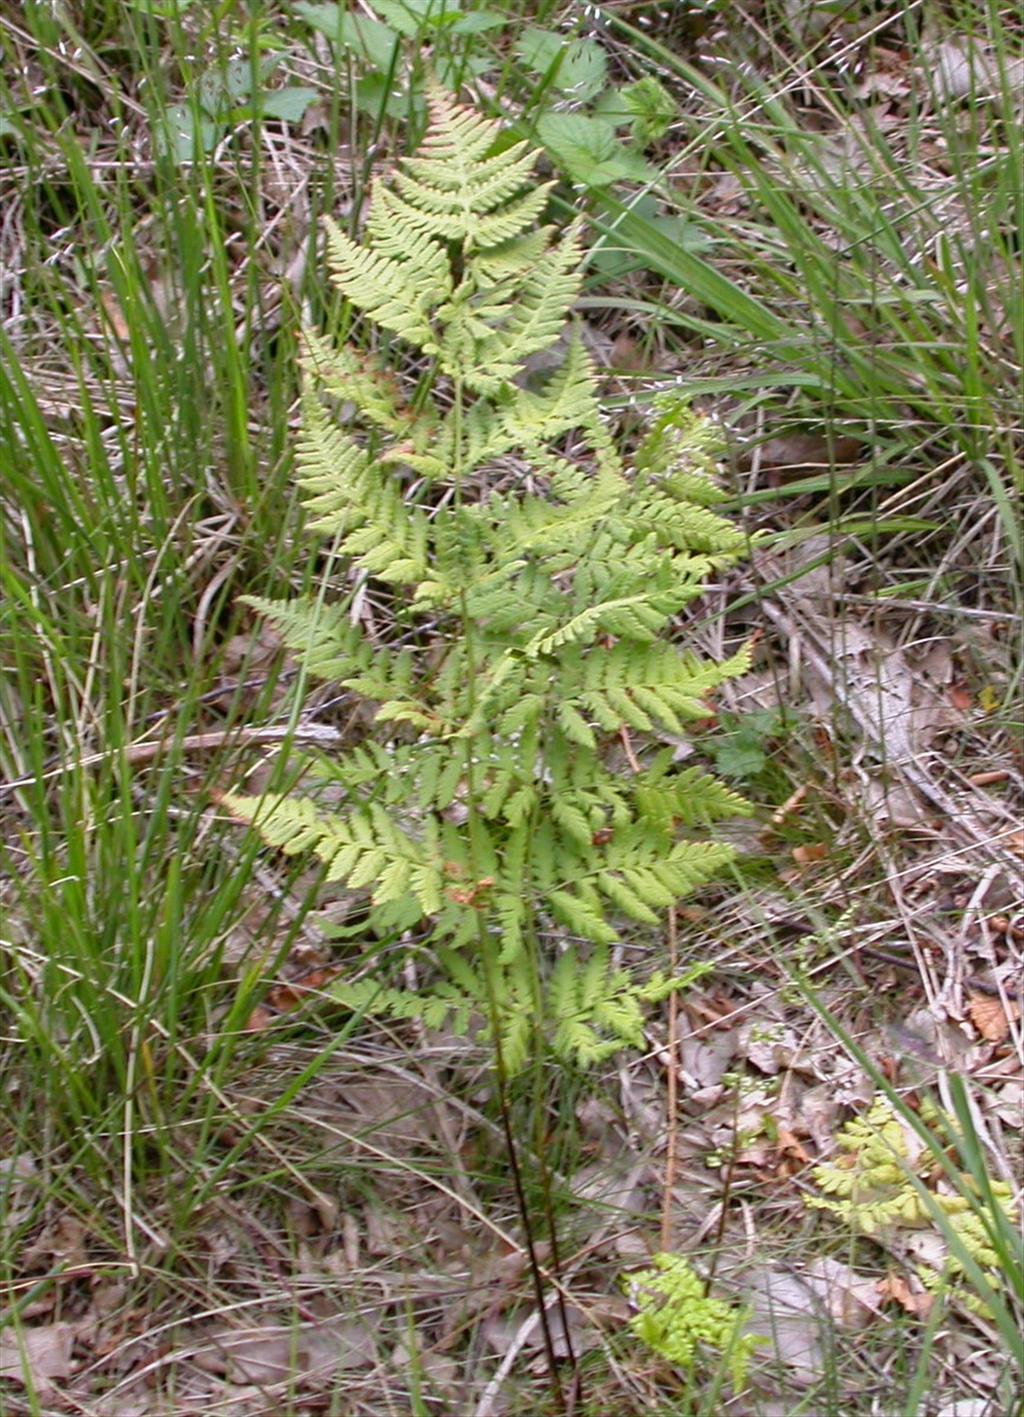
(451, 180)
(371, 390)
(677, 1318)
(323, 636)
(331, 468)
(690, 797)
(531, 576)
(388, 291)
(512, 258)
(679, 522)
(639, 685)
(402, 234)
(519, 327)
(594, 1006)
(568, 401)
(364, 848)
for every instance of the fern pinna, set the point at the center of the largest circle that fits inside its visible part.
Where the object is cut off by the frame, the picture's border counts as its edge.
(534, 580)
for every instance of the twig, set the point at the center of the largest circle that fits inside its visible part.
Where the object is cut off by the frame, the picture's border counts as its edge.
(321, 734)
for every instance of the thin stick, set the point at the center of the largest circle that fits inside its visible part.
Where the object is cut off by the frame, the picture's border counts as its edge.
(319, 733)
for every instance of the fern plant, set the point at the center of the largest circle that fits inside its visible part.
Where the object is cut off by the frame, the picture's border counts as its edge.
(870, 1187)
(678, 1318)
(533, 582)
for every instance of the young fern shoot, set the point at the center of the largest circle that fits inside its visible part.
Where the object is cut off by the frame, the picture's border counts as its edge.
(535, 581)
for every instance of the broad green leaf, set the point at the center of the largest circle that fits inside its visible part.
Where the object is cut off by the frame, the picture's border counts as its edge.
(375, 95)
(181, 137)
(477, 22)
(578, 67)
(589, 151)
(411, 17)
(289, 104)
(368, 38)
(224, 88)
(739, 758)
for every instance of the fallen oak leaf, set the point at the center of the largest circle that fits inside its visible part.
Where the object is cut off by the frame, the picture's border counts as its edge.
(807, 855)
(991, 1017)
(34, 1357)
(285, 998)
(894, 1289)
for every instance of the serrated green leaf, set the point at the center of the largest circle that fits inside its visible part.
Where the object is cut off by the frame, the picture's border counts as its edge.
(738, 758)
(589, 151)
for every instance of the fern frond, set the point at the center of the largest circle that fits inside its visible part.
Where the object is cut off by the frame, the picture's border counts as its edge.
(595, 1008)
(511, 258)
(632, 615)
(638, 685)
(568, 401)
(398, 231)
(530, 323)
(331, 468)
(530, 576)
(457, 136)
(466, 215)
(451, 180)
(690, 798)
(680, 523)
(366, 848)
(393, 541)
(371, 389)
(386, 290)
(322, 636)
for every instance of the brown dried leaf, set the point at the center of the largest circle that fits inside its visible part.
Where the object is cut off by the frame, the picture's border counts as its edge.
(894, 1289)
(280, 1353)
(36, 1356)
(787, 1309)
(849, 1299)
(790, 1148)
(18, 1182)
(991, 1017)
(62, 1245)
(800, 452)
(961, 67)
(1007, 1103)
(807, 855)
(287, 997)
(767, 1044)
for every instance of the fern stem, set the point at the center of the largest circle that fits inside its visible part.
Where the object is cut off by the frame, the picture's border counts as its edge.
(532, 945)
(672, 1088)
(487, 956)
(504, 1107)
